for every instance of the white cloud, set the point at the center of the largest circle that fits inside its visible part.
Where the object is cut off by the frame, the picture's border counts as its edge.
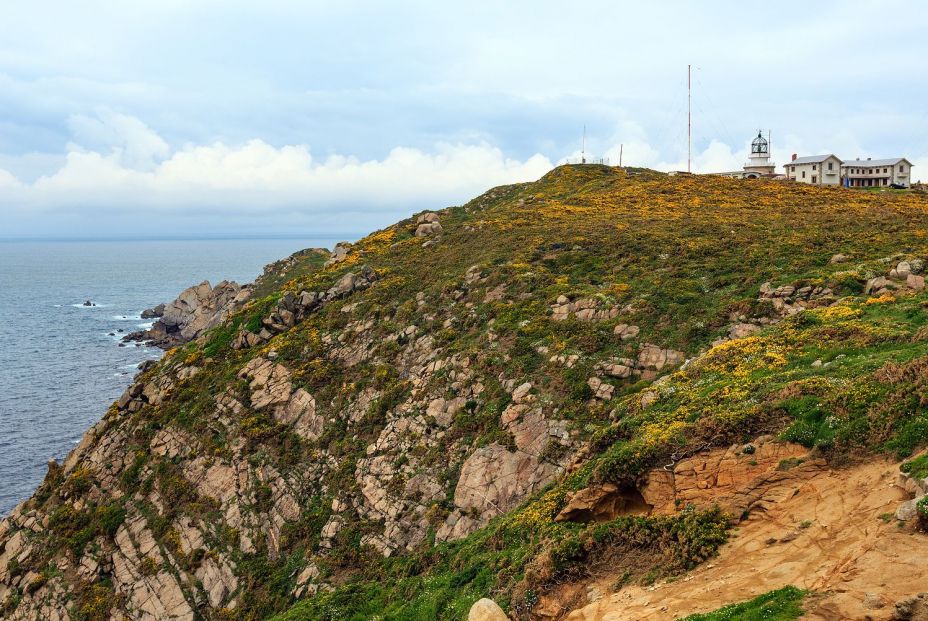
(121, 176)
(7, 180)
(127, 138)
(130, 167)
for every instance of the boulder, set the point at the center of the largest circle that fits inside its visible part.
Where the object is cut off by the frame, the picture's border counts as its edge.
(153, 313)
(584, 309)
(915, 282)
(875, 284)
(903, 269)
(626, 332)
(620, 371)
(909, 509)
(428, 229)
(486, 610)
(521, 393)
(601, 390)
(656, 358)
(345, 285)
(339, 254)
(349, 283)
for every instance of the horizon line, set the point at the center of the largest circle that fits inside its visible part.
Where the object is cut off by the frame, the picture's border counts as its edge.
(201, 237)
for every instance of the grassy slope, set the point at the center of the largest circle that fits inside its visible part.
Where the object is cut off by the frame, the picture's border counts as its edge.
(680, 255)
(691, 250)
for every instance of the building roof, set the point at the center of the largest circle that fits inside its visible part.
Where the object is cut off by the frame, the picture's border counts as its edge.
(812, 159)
(892, 161)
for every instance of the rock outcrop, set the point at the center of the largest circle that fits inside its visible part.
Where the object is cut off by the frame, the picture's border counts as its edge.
(583, 309)
(292, 309)
(495, 478)
(196, 310)
(428, 225)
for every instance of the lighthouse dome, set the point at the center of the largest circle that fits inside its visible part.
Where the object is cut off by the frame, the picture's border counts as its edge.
(759, 145)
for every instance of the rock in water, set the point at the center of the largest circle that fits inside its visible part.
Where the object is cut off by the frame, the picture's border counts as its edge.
(153, 313)
(88, 303)
(486, 610)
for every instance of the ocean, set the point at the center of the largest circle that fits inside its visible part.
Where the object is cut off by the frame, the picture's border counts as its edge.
(60, 362)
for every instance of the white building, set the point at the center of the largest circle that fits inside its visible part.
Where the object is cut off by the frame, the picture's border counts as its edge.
(870, 173)
(815, 169)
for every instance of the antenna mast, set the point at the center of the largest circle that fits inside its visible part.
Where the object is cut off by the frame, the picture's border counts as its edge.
(583, 146)
(621, 149)
(689, 118)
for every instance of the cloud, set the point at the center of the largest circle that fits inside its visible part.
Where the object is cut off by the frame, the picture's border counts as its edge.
(120, 169)
(7, 180)
(127, 138)
(119, 177)
(258, 176)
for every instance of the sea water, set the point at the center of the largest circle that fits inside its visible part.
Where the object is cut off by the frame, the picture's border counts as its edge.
(60, 361)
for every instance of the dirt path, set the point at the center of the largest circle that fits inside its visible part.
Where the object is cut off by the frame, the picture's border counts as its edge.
(829, 538)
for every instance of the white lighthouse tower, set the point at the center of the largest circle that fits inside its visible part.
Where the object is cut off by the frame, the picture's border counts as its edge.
(760, 164)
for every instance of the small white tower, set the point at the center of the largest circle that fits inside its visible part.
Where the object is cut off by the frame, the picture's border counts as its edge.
(760, 164)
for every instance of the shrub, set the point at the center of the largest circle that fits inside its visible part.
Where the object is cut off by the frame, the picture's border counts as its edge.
(917, 468)
(922, 510)
(682, 541)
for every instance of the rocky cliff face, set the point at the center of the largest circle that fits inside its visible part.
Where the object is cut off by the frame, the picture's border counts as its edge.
(445, 409)
(196, 310)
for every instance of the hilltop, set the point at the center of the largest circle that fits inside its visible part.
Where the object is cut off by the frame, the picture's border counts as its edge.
(558, 396)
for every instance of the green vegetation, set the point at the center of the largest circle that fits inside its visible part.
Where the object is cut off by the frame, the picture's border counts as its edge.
(450, 577)
(918, 467)
(680, 258)
(781, 605)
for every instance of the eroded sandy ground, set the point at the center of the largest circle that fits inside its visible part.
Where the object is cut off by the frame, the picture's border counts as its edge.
(824, 533)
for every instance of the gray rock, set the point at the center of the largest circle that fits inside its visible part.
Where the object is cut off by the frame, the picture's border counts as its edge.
(909, 509)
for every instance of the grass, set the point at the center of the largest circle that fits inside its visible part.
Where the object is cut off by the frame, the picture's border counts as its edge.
(781, 605)
(450, 577)
(917, 468)
(677, 257)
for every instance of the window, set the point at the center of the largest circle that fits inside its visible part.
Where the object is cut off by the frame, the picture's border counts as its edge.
(831, 165)
(794, 169)
(814, 179)
(885, 171)
(813, 166)
(803, 174)
(901, 168)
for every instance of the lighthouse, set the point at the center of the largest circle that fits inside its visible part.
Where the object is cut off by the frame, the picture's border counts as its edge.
(759, 164)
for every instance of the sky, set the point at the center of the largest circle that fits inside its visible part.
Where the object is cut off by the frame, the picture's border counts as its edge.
(207, 118)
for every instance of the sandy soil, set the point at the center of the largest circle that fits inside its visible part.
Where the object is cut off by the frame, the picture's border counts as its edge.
(823, 533)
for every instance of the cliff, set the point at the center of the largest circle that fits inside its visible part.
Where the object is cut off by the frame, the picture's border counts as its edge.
(558, 390)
